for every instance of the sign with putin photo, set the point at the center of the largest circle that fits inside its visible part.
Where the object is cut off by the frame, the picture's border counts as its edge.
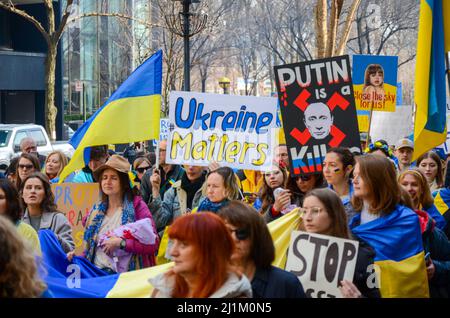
(318, 111)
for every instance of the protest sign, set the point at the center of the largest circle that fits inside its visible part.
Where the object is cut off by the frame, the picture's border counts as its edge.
(164, 125)
(75, 200)
(363, 120)
(321, 262)
(234, 131)
(375, 82)
(318, 110)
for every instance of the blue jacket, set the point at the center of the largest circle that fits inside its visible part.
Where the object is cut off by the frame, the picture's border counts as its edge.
(83, 176)
(276, 283)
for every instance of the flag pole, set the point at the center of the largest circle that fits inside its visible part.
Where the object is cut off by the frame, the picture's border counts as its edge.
(370, 123)
(448, 69)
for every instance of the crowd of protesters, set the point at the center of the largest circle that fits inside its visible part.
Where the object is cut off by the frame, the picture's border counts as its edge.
(216, 218)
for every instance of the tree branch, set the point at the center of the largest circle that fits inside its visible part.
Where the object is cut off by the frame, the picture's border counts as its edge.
(348, 24)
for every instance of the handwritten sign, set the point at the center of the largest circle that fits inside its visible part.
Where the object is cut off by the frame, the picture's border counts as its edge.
(234, 131)
(75, 200)
(321, 262)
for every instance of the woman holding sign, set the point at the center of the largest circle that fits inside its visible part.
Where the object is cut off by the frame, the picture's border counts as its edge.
(255, 253)
(324, 213)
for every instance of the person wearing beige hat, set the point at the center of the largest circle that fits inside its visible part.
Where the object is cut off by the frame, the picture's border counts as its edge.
(404, 153)
(120, 205)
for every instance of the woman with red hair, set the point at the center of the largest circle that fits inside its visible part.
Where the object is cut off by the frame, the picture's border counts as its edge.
(201, 250)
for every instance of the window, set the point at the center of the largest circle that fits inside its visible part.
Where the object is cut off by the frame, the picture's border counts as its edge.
(19, 136)
(4, 137)
(38, 136)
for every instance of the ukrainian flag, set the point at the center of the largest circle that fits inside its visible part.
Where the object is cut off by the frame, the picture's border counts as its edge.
(130, 114)
(433, 41)
(397, 241)
(442, 203)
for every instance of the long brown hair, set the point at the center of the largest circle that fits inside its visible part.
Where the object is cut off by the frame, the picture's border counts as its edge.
(243, 216)
(440, 172)
(380, 178)
(18, 271)
(424, 197)
(213, 247)
(266, 193)
(48, 203)
(335, 210)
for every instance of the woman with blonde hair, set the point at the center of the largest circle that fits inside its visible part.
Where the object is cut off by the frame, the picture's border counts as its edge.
(416, 184)
(18, 270)
(54, 164)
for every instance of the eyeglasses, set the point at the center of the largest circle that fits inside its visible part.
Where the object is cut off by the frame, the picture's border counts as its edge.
(142, 169)
(314, 210)
(26, 167)
(241, 234)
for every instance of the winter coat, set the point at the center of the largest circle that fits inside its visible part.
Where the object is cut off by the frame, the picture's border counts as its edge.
(234, 287)
(173, 205)
(276, 283)
(436, 243)
(365, 258)
(146, 187)
(58, 224)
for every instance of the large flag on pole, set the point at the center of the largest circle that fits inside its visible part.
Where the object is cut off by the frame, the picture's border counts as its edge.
(430, 91)
(130, 114)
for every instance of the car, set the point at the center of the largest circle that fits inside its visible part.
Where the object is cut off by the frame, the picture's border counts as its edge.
(12, 134)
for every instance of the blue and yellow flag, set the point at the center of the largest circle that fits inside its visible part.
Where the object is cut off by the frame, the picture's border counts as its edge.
(130, 114)
(430, 92)
(397, 241)
(442, 202)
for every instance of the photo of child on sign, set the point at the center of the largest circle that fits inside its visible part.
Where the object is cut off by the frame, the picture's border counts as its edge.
(373, 83)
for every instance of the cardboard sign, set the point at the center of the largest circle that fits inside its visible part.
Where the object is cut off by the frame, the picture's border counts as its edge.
(76, 200)
(318, 111)
(321, 262)
(164, 130)
(375, 82)
(234, 131)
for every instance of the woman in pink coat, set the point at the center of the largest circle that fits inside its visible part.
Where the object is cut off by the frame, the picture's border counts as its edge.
(119, 205)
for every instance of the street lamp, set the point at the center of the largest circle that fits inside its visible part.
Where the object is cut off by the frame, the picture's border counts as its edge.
(224, 82)
(186, 24)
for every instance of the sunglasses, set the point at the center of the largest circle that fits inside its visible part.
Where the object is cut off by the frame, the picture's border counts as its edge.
(26, 167)
(305, 177)
(142, 170)
(241, 234)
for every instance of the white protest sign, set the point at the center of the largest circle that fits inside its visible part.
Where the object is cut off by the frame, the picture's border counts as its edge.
(164, 131)
(321, 262)
(234, 131)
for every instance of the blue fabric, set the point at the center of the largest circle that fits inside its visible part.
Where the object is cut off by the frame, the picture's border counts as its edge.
(58, 275)
(434, 213)
(207, 205)
(395, 236)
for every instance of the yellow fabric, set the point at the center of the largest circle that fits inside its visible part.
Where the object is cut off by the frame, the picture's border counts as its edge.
(27, 232)
(424, 139)
(122, 121)
(440, 204)
(281, 230)
(161, 257)
(395, 278)
(250, 184)
(135, 284)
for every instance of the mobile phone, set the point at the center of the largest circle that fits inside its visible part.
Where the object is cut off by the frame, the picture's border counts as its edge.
(247, 194)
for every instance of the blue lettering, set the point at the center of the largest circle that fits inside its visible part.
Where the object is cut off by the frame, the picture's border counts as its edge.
(178, 110)
(58, 193)
(214, 115)
(226, 123)
(241, 115)
(246, 118)
(264, 120)
(67, 196)
(201, 119)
